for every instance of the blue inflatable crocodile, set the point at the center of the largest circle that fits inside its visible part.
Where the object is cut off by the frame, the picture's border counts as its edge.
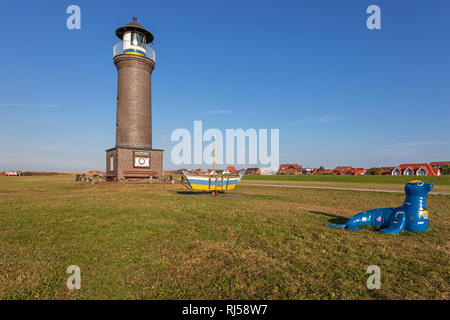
(412, 215)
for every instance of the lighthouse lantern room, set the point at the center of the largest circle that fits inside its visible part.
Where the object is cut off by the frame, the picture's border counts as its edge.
(135, 39)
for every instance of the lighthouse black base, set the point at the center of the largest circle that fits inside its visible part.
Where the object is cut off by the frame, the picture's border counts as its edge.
(131, 164)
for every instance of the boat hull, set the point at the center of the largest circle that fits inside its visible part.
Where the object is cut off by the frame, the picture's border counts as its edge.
(211, 183)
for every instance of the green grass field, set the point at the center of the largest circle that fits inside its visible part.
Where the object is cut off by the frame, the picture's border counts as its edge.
(157, 242)
(441, 183)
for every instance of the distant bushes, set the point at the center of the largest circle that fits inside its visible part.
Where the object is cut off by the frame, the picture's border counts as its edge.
(445, 170)
(374, 171)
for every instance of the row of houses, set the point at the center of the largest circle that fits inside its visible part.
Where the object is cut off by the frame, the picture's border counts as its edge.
(418, 169)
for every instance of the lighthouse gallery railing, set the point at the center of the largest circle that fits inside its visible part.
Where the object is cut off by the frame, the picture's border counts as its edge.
(118, 48)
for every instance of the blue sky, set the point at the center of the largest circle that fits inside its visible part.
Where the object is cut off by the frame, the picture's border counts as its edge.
(340, 94)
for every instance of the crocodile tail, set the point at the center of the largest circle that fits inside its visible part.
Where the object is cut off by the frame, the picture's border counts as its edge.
(338, 225)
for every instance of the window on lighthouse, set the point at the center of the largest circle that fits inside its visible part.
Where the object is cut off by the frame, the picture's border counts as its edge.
(137, 39)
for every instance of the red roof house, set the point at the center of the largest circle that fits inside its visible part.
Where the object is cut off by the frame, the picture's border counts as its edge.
(341, 170)
(253, 171)
(290, 169)
(358, 171)
(439, 164)
(231, 170)
(323, 171)
(416, 169)
(386, 170)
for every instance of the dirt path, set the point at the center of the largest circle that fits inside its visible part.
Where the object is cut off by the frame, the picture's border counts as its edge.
(332, 188)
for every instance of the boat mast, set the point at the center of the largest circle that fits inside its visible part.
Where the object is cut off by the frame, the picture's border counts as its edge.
(214, 168)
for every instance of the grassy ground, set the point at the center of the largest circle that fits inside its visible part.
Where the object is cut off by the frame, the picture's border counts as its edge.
(151, 242)
(441, 183)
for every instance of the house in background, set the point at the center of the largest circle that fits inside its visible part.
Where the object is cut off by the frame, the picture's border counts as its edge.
(252, 171)
(231, 170)
(323, 171)
(309, 170)
(290, 169)
(267, 172)
(357, 171)
(415, 169)
(343, 170)
(198, 171)
(211, 172)
(439, 164)
(386, 170)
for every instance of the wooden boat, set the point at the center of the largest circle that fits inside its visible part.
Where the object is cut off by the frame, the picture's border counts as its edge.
(213, 181)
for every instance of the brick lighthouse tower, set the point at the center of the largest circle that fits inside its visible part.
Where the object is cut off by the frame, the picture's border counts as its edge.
(133, 157)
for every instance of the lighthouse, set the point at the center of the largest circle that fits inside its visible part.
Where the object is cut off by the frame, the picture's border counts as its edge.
(133, 157)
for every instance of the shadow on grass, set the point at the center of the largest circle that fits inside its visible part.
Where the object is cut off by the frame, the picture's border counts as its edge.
(334, 218)
(186, 192)
(209, 194)
(190, 193)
